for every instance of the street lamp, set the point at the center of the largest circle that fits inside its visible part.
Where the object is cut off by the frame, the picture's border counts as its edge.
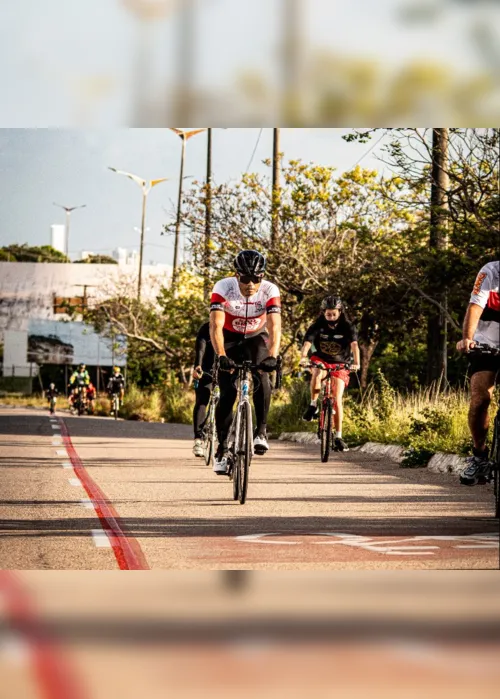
(184, 136)
(68, 210)
(146, 186)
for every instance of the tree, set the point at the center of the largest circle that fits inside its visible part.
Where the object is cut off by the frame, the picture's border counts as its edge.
(97, 260)
(337, 234)
(26, 253)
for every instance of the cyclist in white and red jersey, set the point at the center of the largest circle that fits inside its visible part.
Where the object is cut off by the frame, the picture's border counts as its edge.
(245, 324)
(481, 324)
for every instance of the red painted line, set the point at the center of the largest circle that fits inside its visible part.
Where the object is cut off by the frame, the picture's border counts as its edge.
(127, 550)
(55, 675)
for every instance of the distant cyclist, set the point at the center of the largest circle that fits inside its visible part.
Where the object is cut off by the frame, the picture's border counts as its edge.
(51, 395)
(116, 384)
(91, 396)
(203, 365)
(335, 341)
(79, 378)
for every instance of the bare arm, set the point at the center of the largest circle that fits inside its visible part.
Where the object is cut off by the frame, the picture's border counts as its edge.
(274, 328)
(305, 351)
(216, 335)
(355, 351)
(471, 320)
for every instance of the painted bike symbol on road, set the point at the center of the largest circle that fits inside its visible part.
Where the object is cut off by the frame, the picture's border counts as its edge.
(389, 546)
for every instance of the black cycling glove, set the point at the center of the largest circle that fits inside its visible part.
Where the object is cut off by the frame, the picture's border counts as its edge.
(268, 364)
(225, 363)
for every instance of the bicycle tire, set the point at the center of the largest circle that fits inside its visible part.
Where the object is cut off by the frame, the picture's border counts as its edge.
(209, 436)
(235, 463)
(245, 451)
(115, 408)
(326, 429)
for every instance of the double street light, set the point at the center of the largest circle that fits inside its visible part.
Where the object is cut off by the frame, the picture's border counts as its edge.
(146, 186)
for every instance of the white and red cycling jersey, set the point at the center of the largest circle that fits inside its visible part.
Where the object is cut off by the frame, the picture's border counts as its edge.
(246, 316)
(486, 294)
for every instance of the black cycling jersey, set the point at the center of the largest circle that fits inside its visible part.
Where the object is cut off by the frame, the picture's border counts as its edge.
(332, 341)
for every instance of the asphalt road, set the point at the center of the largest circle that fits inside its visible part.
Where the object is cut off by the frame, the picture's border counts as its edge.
(94, 493)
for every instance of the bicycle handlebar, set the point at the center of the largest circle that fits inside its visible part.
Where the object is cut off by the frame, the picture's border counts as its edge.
(335, 367)
(480, 348)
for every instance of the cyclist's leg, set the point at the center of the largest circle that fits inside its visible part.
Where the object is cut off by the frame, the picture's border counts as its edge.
(482, 384)
(202, 393)
(258, 351)
(338, 386)
(224, 412)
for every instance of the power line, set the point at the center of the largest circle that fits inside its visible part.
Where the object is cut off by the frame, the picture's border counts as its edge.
(254, 150)
(368, 151)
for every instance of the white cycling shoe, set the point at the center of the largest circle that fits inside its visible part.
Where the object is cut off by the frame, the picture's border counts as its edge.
(260, 444)
(198, 447)
(220, 464)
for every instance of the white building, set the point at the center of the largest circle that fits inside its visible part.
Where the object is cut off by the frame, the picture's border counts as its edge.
(58, 237)
(28, 291)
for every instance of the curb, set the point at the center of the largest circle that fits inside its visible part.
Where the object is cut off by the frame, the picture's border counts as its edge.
(439, 462)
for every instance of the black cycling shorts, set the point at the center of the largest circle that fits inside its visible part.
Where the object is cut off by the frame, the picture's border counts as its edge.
(484, 362)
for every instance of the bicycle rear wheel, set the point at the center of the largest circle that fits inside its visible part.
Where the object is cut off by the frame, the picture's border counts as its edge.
(245, 450)
(326, 429)
(209, 437)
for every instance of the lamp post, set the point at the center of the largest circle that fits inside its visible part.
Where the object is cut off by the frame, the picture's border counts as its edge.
(69, 210)
(146, 186)
(184, 136)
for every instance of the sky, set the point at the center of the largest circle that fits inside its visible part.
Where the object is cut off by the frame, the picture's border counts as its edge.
(41, 166)
(49, 51)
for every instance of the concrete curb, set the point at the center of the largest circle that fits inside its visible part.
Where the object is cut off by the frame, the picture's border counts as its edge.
(439, 463)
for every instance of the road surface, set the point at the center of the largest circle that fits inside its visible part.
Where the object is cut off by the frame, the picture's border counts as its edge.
(95, 493)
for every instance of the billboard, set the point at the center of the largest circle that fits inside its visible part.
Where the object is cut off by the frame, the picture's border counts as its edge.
(61, 342)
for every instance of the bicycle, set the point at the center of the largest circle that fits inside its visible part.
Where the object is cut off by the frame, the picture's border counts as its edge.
(240, 437)
(483, 350)
(52, 405)
(209, 430)
(115, 405)
(80, 400)
(327, 411)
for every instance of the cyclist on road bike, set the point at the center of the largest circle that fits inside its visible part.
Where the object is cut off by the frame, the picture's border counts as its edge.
(203, 365)
(80, 377)
(335, 340)
(91, 396)
(481, 324)
(51, 393)
(245, 324)
(116, 384)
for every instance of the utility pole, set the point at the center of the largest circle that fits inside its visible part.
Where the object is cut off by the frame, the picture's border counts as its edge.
(437, 324)
(276, 188)
(208, 215)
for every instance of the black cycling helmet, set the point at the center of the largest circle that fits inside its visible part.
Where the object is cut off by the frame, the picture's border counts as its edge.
(331, 302)
(250, 262)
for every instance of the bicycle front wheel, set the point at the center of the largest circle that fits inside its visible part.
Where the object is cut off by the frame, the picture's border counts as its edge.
(326, 430)
(245, 450)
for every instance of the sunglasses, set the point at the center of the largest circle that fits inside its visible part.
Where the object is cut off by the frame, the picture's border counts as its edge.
(247, 278)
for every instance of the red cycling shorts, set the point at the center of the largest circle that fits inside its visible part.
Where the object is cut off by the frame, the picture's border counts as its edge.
(342, 374)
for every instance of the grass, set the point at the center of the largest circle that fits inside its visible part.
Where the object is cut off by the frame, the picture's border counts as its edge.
(424, 422)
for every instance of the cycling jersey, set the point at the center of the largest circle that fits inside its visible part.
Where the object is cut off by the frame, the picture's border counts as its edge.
(116, 383)
(332, 343)
(486, 294)
(80, 378)
(245, 316)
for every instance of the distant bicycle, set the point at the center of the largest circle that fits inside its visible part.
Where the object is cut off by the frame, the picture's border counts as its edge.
(115, 405)
(327, 410)
(80, 399)
(52, 405)
(495, 444)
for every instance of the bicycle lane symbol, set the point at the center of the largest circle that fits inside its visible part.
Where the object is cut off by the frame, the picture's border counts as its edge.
(390, 546)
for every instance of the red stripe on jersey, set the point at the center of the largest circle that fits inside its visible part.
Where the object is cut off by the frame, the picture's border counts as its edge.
(217, 298)
(276, 301)
(494, 300)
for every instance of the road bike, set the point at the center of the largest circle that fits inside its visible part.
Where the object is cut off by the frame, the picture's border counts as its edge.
(52, 405)
(240, 438)
(327, 410)
(208, 428)
(115, 405)
(487, 350)
(80, 399)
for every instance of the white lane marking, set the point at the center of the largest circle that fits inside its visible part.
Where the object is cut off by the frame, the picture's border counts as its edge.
(88, 504)
(56, 442)
(55, 427)
(67, 464)
(75, 482)
(62, 452)
(101, 539)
